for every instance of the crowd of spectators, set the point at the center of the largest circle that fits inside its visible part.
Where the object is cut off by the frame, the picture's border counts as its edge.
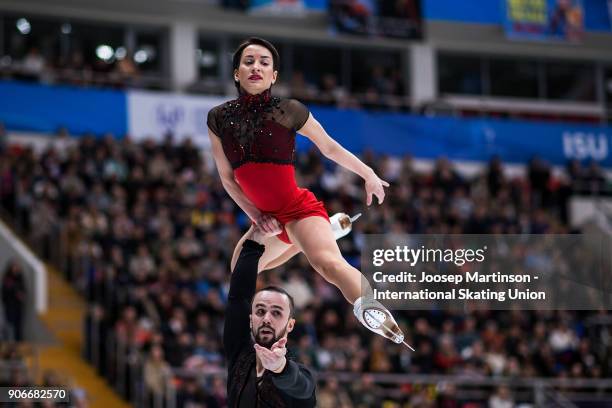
(13, 367)
(75, 69)
(381, 89)
(17, 369)
(149, 230)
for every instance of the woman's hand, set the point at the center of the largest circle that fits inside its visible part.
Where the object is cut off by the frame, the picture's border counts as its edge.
(268, 225)
(374, 185)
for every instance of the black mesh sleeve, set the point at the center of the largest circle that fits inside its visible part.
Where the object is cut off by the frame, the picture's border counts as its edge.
(299, 113)
(213, 119)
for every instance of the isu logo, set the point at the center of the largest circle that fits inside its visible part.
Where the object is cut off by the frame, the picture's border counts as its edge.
(169, 116)
(580, 145)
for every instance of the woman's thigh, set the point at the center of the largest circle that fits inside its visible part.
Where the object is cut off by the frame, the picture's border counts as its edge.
(314, 237)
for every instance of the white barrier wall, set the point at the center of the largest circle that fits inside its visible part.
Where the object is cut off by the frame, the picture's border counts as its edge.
(35, 273)
(583, 209)
(154, 114)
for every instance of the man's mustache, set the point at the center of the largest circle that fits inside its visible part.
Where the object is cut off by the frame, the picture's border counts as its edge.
(266, 327)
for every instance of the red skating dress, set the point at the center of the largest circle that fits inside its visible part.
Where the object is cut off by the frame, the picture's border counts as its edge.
(258, 137)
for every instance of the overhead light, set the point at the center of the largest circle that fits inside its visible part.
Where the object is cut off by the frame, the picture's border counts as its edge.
(141, 56)
(208, 59)
(23, 25)
(105, 52)
(144, 54)
(66, 28)
(120, 53)
(150, 50)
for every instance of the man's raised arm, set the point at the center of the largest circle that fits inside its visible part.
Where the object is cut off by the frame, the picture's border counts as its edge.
(242, 289)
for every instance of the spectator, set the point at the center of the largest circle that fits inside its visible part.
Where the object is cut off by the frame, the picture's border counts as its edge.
(595, 177)
(501, 399)
(366, 393)
(446, 358)
(495, 176)
(126, 70)
(539, 177)
(156, 374)
(448, 397)
(33, 64)
(300, 89)
(62, 143)
(3, 138)
(298, 289)
(14, 296)
(330, 93)
(332, 396)
(562, 338)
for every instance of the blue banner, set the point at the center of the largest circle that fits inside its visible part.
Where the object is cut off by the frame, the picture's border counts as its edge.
(465, 139)
(596, 14)
(43, 108)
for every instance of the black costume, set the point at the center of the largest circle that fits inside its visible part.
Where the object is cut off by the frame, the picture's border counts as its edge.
(292, 387)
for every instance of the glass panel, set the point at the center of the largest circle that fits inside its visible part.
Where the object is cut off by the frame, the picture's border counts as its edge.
(510, 77)
(208, 58)
(87, 40)
(608, 86)
(570, 81)
(377, 70)
(22, 34)
(608, 92)
(148, 54)
(459, 74)
(327, 66)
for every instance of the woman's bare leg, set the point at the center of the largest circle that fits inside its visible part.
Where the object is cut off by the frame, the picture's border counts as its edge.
(275, 250)
(314, 237)
(284, 257)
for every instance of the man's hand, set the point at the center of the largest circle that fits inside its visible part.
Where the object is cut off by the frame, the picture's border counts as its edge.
(273, 359)
(257, 235)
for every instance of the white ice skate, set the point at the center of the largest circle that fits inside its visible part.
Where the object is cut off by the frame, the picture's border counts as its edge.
(373, 315)
(342, 224)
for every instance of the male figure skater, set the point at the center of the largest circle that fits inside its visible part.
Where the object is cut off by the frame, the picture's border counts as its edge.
(254, 338)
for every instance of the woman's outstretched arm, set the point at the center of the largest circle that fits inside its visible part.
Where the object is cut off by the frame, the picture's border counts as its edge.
(267, 223)
(331, 149)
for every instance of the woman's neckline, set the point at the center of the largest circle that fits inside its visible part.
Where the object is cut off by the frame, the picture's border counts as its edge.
(262, 97)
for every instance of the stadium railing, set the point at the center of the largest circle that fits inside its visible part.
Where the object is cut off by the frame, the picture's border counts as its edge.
(27, 366)
(124, 368)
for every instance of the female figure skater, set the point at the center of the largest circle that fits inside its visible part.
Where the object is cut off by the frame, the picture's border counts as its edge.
(253, 144)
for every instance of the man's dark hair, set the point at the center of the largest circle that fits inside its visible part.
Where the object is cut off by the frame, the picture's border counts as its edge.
(281, 291)
(254, 41)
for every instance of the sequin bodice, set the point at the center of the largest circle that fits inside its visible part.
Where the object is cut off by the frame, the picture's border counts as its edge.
(258, 128)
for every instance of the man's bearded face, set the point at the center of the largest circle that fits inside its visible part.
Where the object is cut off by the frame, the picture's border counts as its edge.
(270, 320)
